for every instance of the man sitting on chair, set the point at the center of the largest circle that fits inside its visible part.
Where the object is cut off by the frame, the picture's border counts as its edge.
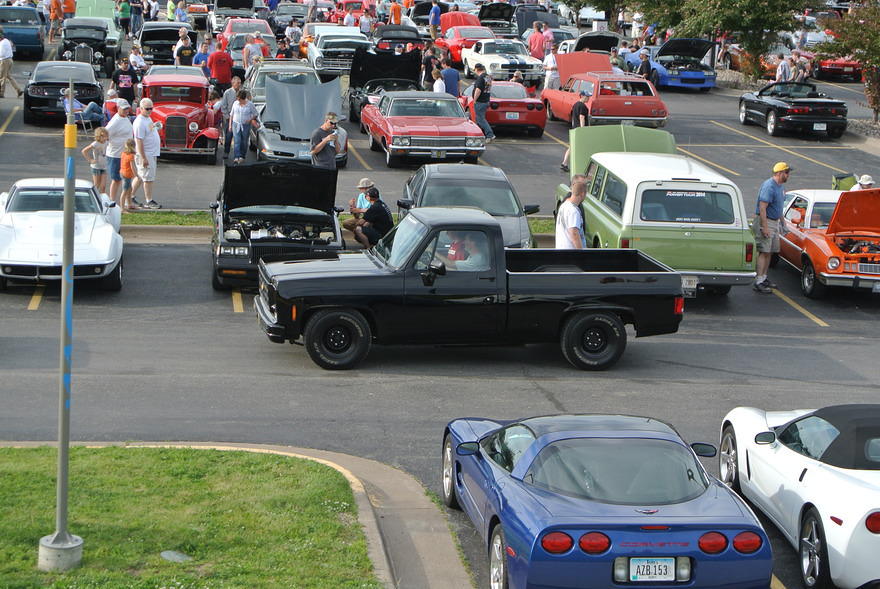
(92, 112)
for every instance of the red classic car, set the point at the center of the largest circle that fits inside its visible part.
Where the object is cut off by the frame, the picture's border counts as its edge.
(840, 67)
(456, 38)
(833, 239)
(509, 106)
(613, 98)
(357, 8)
(188, 126)
(428, 125)
(242, 25)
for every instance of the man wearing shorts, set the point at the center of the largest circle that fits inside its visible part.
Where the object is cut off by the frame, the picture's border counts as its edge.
(768, 212)
(146, 138)
(119, 130)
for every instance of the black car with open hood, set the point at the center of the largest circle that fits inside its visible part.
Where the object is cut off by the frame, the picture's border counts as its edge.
(373, 74)
(157, 40)
(283, 210)
(387, 37)
(498, 16)
(597, 41)
(223, 10)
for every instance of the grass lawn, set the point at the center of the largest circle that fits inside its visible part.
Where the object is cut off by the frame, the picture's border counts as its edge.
(247, 520)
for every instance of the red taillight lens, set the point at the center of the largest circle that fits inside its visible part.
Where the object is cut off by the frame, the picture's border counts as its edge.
(539, 107)
(557, 542)
(747, 542)
(799, 110)
(750, 251)
(594, 543)
(383, 45)
(493, 105)
(624, 242)
(712, 542)
(873, 523)
(679, 305)
(530, 106)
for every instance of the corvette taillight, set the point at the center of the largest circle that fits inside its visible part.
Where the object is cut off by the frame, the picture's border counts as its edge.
(747, 542)
(594, 543)
(712, 542)
(530, 106)
(873, 523)
(539, 107)
(557, 542)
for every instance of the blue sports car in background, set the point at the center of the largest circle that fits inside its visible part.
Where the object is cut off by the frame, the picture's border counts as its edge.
(679, 62)
(599, 501)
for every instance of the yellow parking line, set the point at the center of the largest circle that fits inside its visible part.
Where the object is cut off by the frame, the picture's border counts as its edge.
(779, 147)
(705, 161)
(483, 162)
(58, 133)
(555, 138)
(861, 92)
(800, 309)
(776, 583)
(9, 119)
(237, 306)
(358, 157)
(36, 298)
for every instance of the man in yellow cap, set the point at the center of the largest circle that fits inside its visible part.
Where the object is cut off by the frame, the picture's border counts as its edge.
(768, 212)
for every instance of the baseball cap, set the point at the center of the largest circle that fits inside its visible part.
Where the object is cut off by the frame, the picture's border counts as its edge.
(781, 167)
(365, 183)
(582, 93)
(643, 52)
(331, 116)
(372, 192)
(866, 180)
(122, 103)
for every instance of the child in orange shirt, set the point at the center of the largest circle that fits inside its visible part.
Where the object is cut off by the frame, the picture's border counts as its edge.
(128, 173)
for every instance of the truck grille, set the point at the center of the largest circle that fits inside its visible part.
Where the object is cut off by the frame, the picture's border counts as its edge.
(337, 62)
(438, 142)
(521, 67)
(259, 251)
(175, 131)
(869, 268)
(82, 53)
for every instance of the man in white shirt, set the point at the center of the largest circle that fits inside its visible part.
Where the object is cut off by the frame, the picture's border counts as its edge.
(783, 69)
(570, 219)
(119, 130)
(349, 19)
(148, 145)
(551, 71)
(294, 34)
(6, 67)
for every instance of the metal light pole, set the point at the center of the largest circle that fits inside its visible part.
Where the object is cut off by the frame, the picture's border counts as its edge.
(62, 550)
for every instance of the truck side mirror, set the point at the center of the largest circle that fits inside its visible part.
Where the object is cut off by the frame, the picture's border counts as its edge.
(215, 205)
(404, 203)
(434, 270)
(531, 209)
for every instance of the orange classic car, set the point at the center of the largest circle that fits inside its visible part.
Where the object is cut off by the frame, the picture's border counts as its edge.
(833, 239)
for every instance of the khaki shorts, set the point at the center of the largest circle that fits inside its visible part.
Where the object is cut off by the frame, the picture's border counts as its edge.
(148, 173)
(767, 245)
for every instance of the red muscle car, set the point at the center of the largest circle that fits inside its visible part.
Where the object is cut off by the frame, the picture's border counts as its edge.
(840, 67)
(456, 38)
(242, 25)
(188, 126)
(427, 125)
(613, 98)
(509, 106)
(833, 239)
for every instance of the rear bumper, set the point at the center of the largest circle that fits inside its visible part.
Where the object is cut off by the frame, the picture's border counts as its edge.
(655, 122)
(851, 280)
(720, 278)
(187, 150)
(797, 124)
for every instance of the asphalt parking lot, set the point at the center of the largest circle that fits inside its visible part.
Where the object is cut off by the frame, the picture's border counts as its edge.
(168, 358)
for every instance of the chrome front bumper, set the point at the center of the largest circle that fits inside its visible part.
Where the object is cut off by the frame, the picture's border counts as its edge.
(852, 280)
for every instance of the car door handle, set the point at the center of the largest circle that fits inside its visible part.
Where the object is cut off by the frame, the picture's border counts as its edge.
(489, 278)
(488, 300)
(801, 478)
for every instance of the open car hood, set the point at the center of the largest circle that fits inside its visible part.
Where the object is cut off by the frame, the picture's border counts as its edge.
(274, 184)
(496, 11)
(570, 64)
(585, 141)
(368, 66)
(696, 48)
(458, 19)
(423, 8)
(169, 35)
(597, 41)
(298, 109)
(235, 4)
(857, 210)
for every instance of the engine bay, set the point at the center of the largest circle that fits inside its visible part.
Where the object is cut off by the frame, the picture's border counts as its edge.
(258, 230)
(866, 250)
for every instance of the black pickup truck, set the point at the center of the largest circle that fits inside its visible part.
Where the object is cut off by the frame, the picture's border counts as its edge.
(442, 276)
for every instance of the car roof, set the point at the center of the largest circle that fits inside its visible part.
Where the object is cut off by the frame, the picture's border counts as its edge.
(819, 195)
(549, 424)
(464, 171)
(610, 76)
(642, 167)
(419, 94)
(450, 215)
(49, 183)
(165, 25)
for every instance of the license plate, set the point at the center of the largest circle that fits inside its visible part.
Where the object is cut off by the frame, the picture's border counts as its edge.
(305, 153)
(652, 569)
(438, 154)
(689, 282)
(847, 69)
(876, 287)
(512, 116)
(820, 126)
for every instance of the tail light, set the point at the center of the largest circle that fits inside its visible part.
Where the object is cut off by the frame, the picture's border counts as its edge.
(747, 542)
(750, 252)
(530, 106)
(712, 542)
(383, 45)
(624, 242)
(658, 112)
(557, 542)
(873, 523)
(539, 107)
(798, 110)
(594, 543)
(679, 306)
(493, 105)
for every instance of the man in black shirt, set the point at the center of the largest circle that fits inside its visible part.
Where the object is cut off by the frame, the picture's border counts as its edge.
(429, 64)
(580, 117)
(184, 54)
(124, 80)
(644, 68)
(284, 51)
(482, 94)
(376, 222)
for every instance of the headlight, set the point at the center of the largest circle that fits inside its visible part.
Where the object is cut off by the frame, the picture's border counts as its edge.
(241, 251)
(494, 66)
(833, 263)
(268, 152)
(67, 55)
(226, 250)
(319, 62)
(527, 242)
(402, 141)
(148, 56)
(193, 127)
(474, 142)
(99, 55)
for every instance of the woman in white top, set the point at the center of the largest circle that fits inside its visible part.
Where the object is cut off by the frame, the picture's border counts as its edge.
(439, 84)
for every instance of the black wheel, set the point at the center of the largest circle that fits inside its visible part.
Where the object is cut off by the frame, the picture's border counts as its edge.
(549, 110)
(374, 145)
(498, 559)
(337, 339)
(27, 117)
(216, 284)
(593, 341)
(810, 284)
(813, 553)
(113, 281)
(771, 124)
(655, 78)
(450, 499)
(836, 133)
(2, 283)
(743, 114)
(392, 161)
(342, 163)
(211, 159)
(728, 467)
(536, 132)
(720, 290)
(362, 129)
(472, 159)
(353, 114)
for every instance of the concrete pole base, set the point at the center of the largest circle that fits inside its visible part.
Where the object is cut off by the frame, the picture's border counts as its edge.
(55, 556)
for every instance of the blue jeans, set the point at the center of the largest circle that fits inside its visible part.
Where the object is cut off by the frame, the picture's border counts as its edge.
(93, 112)
(242, 137)
(480, 109)
(137, 22)
(227, 137)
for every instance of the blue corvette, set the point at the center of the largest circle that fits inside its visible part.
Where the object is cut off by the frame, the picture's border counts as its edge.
(599, 501)
(678, 62)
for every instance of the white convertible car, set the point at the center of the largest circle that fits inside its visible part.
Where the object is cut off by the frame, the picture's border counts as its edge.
(502, 57)
(816, 475)
(31, 228)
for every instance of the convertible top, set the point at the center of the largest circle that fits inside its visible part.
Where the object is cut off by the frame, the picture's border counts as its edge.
(857, 424)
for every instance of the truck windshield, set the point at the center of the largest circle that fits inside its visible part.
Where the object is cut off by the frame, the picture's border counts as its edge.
(396, 247)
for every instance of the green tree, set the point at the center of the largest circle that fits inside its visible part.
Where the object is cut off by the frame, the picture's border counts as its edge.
(858, 35)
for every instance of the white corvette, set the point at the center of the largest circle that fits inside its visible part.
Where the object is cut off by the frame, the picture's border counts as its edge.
(502, 57)
(816, 475)
(31, 228)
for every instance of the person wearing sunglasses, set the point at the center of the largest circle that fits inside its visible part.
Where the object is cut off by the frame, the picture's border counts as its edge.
(325, 143)
(148, 145)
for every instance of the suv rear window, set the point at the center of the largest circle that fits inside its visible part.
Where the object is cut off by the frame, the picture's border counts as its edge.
(687, 206)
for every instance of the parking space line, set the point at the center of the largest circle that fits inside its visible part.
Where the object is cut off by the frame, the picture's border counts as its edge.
(483, 162)
(779, 147)
(705, 161)
(357, 156)
(860, 92)
(798, 308)
(36, 298)
(57, 134)
(9, 119)
(776, 583)
(556, 139)
(237, 306)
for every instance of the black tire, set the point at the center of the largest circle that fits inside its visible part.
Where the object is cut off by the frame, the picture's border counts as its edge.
(728, 459)
(836, 133)
(342, 163)
(536, 132)
(771, 124)
(447, 475)
(113, 281)
(810, 284)
(362, 129)
(337, 339)
(27, 117)
(374, 145)
(743, 114)
(719, 290)
(550, 116)
(216, 284)
(497, 559)
(2, 283)
(815, 573)
(353, 114)
(211, 159)
(392, 161)
(593, 340)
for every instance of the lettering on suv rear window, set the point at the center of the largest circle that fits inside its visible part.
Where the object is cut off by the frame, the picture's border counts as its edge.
(687, 206)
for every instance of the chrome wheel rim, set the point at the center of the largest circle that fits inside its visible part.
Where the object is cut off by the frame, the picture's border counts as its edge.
(496, 563)
(811, 546)
(742, 113)
(808, 278)
(771, 122)
(447, 469)
(727, 460)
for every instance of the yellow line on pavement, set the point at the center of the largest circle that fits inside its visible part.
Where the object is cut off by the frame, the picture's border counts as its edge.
(52, 54)
(556, 139)
(36, 298)
(848, 89)
(237, 306)
(800, 309)
(779, 147)
(358, 157)
(9, 119)
(58, 133)
(704, 160)
(483, 162)
(776, 583)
